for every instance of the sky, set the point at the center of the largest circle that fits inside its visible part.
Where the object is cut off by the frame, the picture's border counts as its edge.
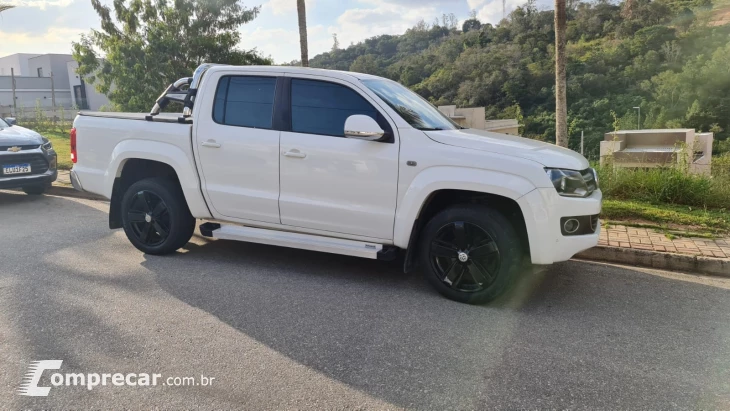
(49, 26)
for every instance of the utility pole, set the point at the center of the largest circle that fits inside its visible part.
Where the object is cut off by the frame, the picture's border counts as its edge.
(12, 80)
(638, 119)
(53, 99)
(581, 143)
(561, 103)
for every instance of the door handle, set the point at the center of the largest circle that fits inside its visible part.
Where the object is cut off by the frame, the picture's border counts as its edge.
(294, 154)
(211, 144)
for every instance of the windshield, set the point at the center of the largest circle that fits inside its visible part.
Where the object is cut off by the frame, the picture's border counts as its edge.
(3, 124)
(414, 109)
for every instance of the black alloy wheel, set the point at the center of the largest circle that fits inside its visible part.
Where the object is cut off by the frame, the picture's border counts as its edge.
(470, 253)
(155, 216)
(465, 257)
(149, 218)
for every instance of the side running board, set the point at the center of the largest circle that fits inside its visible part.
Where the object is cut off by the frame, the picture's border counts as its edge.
(300, 241)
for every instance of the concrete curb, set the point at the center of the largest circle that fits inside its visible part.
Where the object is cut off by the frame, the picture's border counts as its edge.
(65, 191)
(663, 261)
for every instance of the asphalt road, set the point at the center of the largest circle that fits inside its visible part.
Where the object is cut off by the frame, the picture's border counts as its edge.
(284, 329)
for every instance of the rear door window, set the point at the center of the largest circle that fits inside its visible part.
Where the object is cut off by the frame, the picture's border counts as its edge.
(245, 101)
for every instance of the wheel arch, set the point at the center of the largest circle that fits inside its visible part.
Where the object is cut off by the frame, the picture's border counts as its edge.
(133, 160)
(446, 187)
(131, 171)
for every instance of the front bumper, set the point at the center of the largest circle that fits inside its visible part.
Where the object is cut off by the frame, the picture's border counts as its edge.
(46, 178)
(543, 208)
(18, 181)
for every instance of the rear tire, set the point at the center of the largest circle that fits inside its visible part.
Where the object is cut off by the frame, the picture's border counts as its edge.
(470, 253)
(155, 216)
(35, 190)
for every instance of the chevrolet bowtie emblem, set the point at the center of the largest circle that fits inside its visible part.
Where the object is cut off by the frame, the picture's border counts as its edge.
(14, 149)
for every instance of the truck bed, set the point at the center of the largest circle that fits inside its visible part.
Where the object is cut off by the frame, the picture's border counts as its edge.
(102, 137)
(160, 118)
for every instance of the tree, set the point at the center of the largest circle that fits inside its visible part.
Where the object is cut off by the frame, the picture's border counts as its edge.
(367, 64)
(147, 44)
(302, 11)
(561, 99)
(336, 45)
(4, 7)
(471, 24)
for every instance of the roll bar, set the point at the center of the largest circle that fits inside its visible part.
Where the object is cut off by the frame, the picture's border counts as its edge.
(184, 91)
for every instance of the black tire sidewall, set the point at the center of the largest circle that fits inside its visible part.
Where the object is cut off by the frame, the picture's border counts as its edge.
(182, 224)
(498, 227)
(35, 190)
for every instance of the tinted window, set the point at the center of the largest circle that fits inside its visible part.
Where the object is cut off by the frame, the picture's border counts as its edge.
(321, 108)
(245, 101)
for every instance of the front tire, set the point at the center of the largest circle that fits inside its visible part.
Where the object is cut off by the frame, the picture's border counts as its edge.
(35, 190)
(155, 216)
(470, 254)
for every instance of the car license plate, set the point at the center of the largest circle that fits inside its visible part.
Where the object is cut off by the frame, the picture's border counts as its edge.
(16, 169)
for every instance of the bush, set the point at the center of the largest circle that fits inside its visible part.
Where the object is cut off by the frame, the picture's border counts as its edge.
(666, 186)
(721, 166)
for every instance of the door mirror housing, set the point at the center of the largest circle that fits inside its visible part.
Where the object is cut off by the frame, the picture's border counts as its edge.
(11, 121)
(363, 128)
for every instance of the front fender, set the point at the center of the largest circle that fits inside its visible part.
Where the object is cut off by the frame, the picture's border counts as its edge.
(164, 153)
(434, 179)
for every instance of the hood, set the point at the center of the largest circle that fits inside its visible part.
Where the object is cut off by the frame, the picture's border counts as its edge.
(548, 155)
(19, 136)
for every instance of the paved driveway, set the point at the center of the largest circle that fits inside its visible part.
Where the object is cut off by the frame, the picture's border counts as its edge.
(281, 329)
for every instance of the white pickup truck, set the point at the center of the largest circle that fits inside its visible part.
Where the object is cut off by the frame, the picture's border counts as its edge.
(337, 162)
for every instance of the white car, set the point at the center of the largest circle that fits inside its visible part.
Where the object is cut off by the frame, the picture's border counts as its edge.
(338, 162)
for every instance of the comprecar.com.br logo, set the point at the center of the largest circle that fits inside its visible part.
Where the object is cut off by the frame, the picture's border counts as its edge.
(30, 385)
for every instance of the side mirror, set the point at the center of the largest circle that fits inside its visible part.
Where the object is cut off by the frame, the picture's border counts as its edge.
(363, 128)
(11, 121)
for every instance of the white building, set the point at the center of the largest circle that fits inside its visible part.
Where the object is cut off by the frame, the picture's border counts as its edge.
(476, 118)
(84, 96)
(17, 62)
(33, 85)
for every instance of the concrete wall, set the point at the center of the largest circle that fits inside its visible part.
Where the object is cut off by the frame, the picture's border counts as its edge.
(658, 148)
(510, 126)
(17, 62)
(94, 99)
(30, 90)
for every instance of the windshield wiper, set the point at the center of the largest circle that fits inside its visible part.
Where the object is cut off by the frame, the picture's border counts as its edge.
(430, 129)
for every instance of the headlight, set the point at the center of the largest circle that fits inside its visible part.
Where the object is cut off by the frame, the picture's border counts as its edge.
(571, 183)
(47, 146)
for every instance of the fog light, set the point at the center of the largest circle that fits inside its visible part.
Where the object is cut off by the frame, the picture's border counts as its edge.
(571, 226)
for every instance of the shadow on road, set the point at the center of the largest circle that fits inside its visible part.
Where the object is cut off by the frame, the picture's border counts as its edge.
(568, 332)
(577, 335)
(48, 310)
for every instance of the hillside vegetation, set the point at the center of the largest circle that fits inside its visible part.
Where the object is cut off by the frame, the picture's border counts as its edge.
(668, 57)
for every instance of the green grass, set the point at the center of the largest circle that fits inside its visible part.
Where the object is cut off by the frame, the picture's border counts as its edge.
(62, 146)
(699, 221)
(667, 186)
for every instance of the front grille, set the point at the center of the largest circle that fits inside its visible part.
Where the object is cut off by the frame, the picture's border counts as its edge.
(22, 148)
(590, 179)
(38, 163)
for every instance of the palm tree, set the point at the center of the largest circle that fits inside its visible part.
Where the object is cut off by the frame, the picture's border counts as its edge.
(561, 100)
(4, 7)
(302, 10)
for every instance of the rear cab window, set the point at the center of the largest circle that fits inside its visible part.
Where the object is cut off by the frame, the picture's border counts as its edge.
(245, 101)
